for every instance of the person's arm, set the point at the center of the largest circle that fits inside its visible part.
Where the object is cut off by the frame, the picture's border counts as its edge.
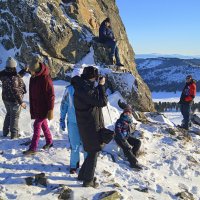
(64, 108)
(23, 71)
(49, 95)
(95, 97)
(17, 91)
(193, 90)
(192, 93)
(120, 136)
(107, 33)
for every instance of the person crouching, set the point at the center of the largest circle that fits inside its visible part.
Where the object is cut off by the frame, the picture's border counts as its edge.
(125, 140)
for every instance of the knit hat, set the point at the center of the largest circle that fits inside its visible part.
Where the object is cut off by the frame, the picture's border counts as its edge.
(77, 72)
(11, 62)
(90, 72)
(34, 63)
(128, 108)
(189, 77)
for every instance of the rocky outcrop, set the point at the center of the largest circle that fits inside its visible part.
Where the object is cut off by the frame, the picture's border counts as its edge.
(62, 33)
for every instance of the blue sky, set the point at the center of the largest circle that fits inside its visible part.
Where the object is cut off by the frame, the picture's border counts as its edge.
(162, 26)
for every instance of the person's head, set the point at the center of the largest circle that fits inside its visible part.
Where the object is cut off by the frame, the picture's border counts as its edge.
(128, 111)
(77, 72)
(127, 115)
(107, 22)
(90, 73)
(11, 63)
(188, 78)
(34, 65)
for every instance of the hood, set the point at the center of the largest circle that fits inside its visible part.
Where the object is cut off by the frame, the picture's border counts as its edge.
(77, 81)
(44, 70)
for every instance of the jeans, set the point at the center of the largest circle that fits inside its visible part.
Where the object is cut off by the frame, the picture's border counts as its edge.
(185, 111)
(38, 125)
(75, 143)
(87, 170)
(114, 50)
(11, 119)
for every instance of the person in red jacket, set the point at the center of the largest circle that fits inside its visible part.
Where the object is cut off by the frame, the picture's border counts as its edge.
(186, 100)
(41, 95)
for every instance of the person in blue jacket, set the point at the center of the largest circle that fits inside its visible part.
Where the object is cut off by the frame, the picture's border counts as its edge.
(107, 37)
(67, 108)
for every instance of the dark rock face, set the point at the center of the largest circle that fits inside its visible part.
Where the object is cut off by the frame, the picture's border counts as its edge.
(62, 33)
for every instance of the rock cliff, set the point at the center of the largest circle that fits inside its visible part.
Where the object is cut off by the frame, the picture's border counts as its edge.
(62, 33)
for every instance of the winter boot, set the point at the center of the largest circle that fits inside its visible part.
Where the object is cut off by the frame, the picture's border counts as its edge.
(120, 65)
(47, 146)
(136, 166)
(29, 152)
(15, 136)
(72, 171)
(91, 183)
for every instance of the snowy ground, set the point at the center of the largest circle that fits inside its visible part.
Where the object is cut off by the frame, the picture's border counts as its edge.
(172, 165)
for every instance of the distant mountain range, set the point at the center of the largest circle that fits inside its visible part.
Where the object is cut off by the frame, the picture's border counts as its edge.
(168, 74)
(157, 55)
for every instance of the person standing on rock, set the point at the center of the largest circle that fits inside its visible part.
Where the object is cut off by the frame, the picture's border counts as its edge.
(13, 90)
(106, 36)
(41, 95)
(67, 108)
(124, 138)
(186, 100)
(88, 102)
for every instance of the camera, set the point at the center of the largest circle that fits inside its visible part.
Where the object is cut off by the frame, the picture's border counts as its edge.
(100, 77)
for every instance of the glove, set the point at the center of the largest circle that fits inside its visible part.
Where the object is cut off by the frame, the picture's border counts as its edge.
(62, 125)
(50, 115)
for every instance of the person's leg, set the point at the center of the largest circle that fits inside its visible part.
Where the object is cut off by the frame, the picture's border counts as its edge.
(74, 139)
(118, 62)
(36, 136)
(88, 168)
(15, 110)
(136, 143)
(46, 131)
(6, 124)
(186, 115)
(111, 44)
(127, 152)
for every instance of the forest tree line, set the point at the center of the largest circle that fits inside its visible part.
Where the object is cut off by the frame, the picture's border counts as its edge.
(173, 106)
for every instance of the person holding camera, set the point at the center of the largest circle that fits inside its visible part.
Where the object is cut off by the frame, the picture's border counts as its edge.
(88, 102)
(41, 95)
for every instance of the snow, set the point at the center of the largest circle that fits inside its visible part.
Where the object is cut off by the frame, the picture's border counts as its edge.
(168, 167)
(150, 64)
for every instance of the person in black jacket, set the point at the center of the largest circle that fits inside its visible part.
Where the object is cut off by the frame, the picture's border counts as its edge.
(88, 102)
(13, 90)
(106, 36)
